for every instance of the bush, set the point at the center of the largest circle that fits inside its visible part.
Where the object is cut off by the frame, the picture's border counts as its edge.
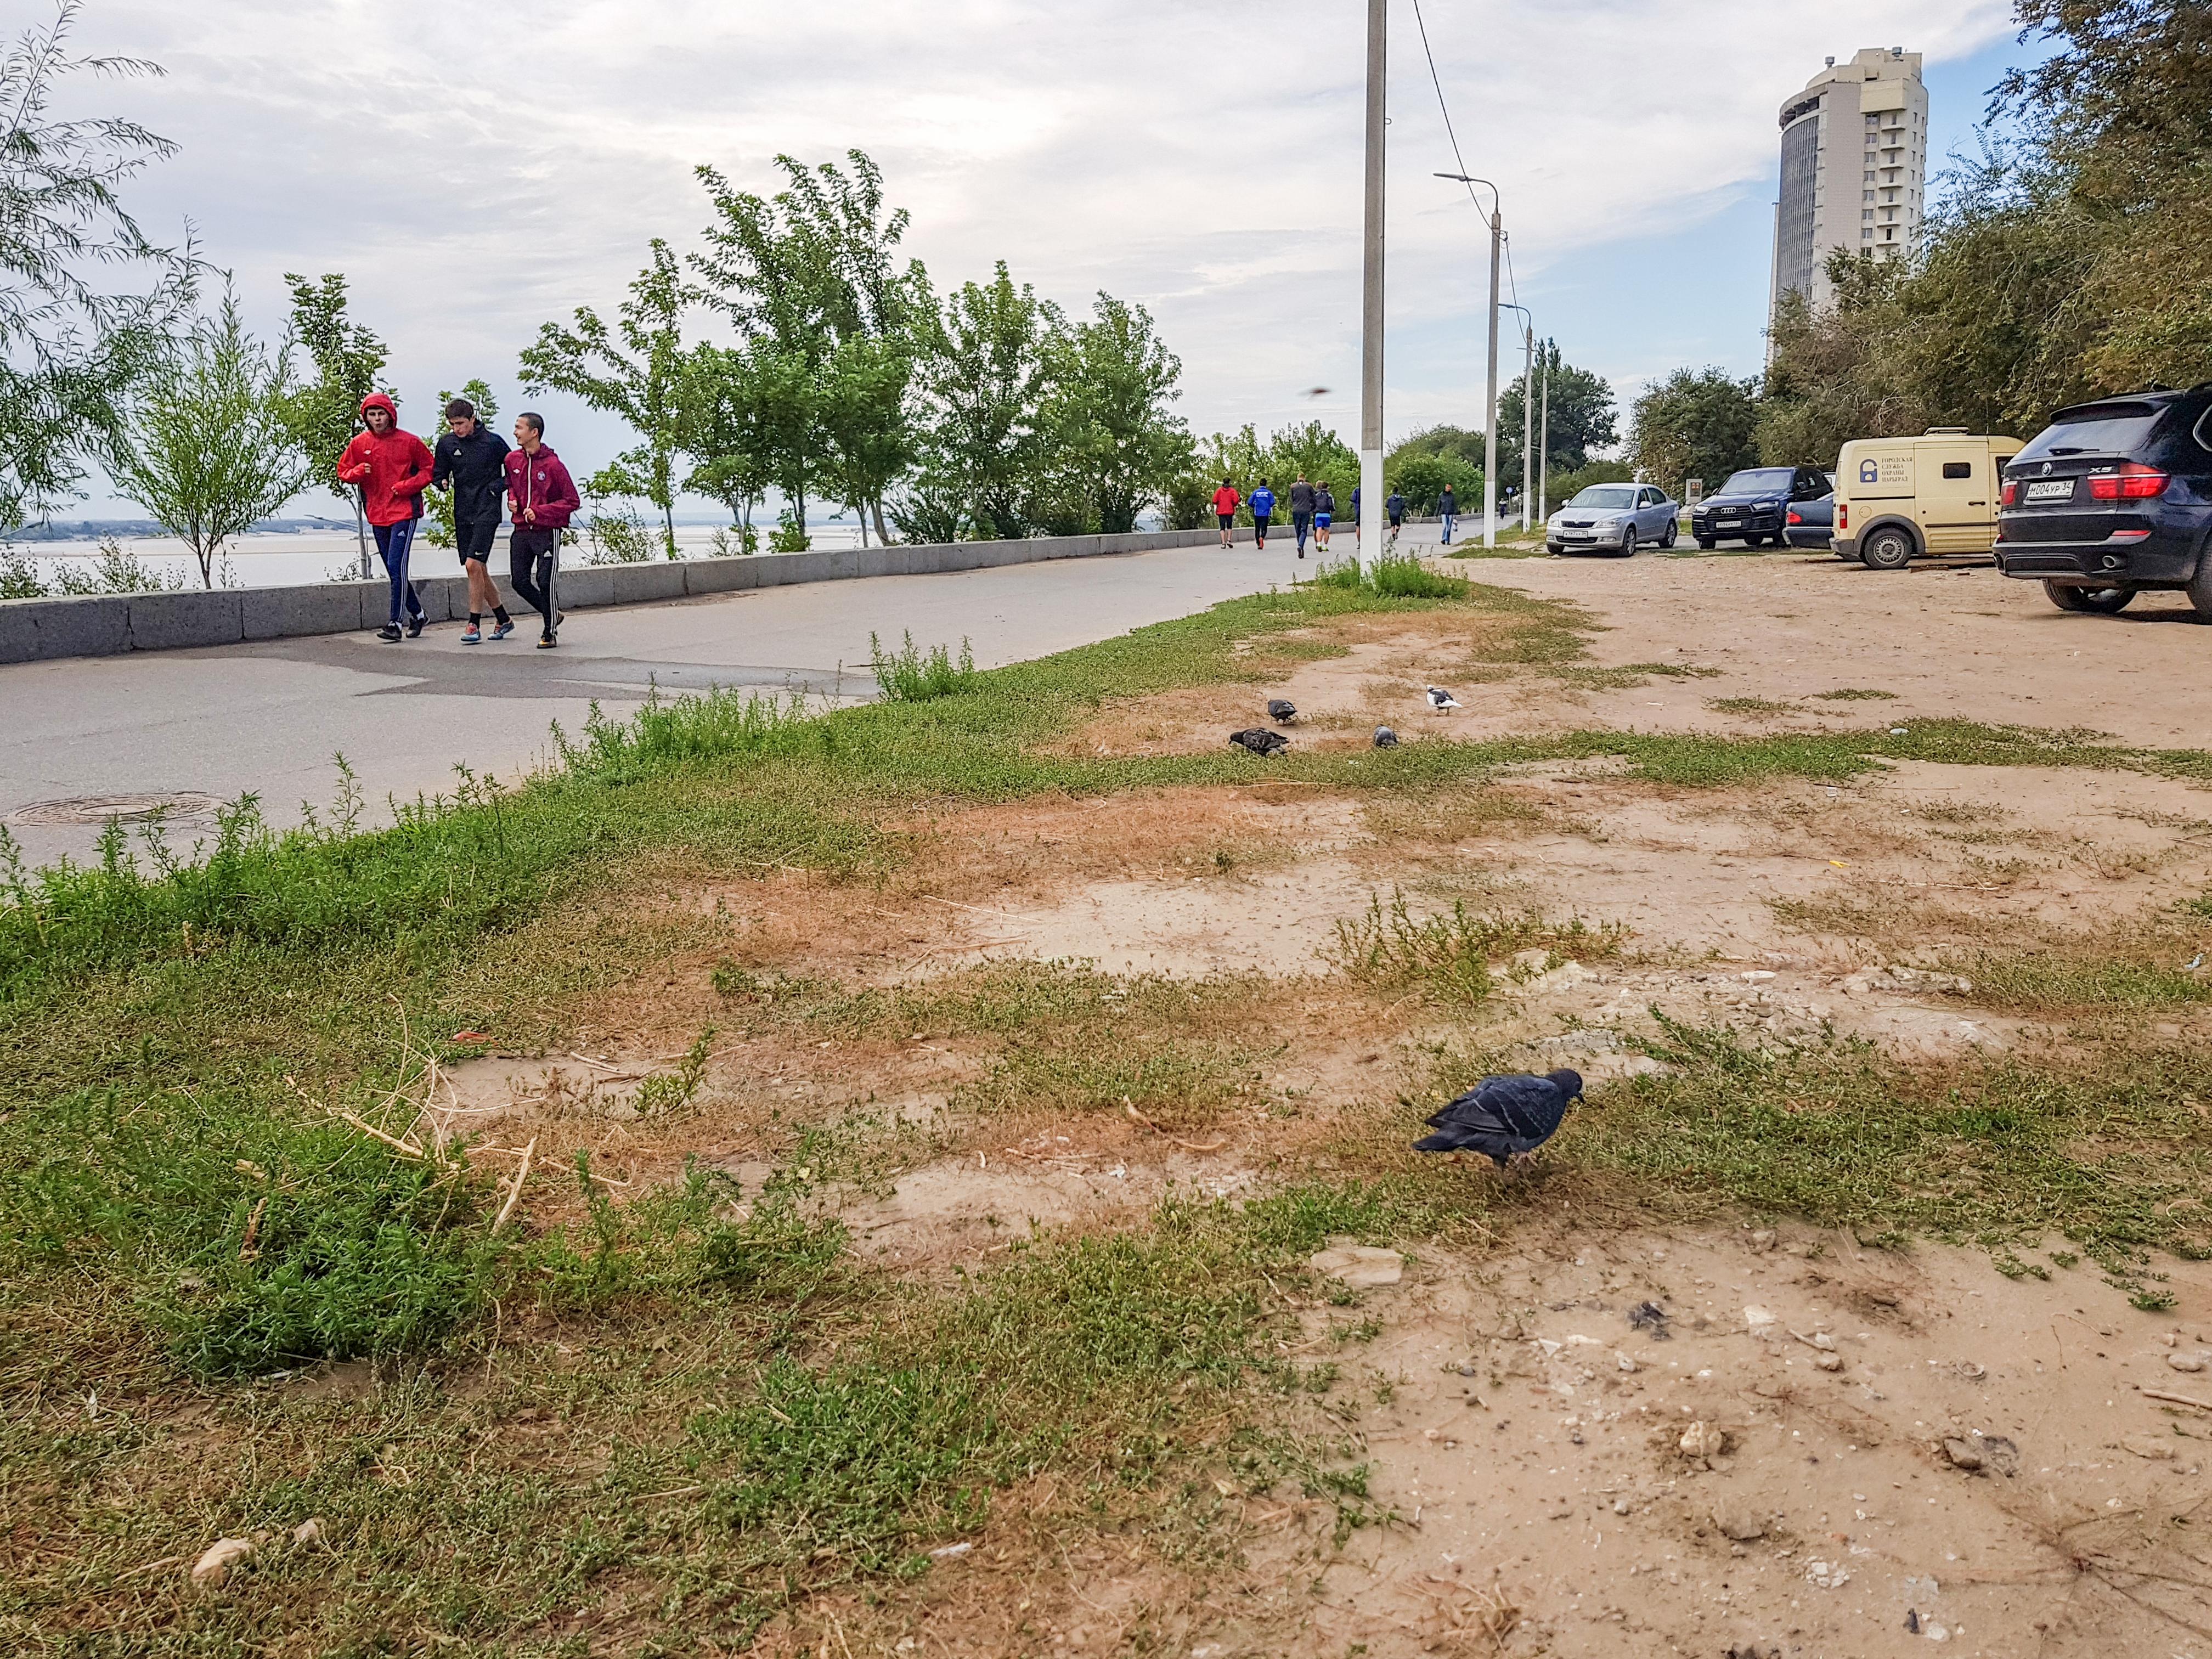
(909, 677)
(619, 537)
(1391, 575)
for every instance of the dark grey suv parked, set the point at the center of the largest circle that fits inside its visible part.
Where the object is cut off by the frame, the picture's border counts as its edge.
(2111, 498)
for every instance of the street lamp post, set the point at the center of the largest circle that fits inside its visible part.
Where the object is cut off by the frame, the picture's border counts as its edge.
(1543, 445)
(1527, 411)
(1370, 353)
(1490, 402)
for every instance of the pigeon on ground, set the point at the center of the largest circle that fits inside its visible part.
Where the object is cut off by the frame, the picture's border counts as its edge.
(1385, 737)
(1261, 741)
(1442, 701)
(1281, 711)
(1503, 1117)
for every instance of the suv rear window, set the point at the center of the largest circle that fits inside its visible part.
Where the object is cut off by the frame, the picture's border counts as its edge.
(2120, 429)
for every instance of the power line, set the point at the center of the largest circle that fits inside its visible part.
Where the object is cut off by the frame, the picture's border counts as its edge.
(1437, 81)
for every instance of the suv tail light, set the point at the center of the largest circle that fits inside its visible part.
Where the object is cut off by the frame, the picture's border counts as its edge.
(2011, 492)
(1843, 515)
(2134, 482)
(1796, 517)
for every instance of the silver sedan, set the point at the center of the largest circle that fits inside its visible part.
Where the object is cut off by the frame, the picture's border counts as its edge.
(1615, 517)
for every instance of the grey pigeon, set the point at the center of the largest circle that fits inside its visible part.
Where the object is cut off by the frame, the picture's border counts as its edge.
(1442, 701)
(1261, 741)
(1282, 711)
(1503, 1117)
(1385, 737)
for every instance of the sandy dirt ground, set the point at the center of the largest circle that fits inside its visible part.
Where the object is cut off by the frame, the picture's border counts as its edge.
(1614, 1441)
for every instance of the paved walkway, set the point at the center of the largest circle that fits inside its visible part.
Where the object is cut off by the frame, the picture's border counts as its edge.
(269, 717)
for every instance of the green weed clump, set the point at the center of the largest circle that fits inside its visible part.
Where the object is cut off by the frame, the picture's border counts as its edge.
(910, 676)
(1449, 956)
(1391, 575)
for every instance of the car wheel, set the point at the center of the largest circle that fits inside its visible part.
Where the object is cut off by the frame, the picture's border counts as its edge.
(2104, 601)
(1628, 542)
(2200, 587)
(1667, 536)
(1887, 548)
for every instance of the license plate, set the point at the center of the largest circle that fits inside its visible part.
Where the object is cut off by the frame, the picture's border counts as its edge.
(2049, 489)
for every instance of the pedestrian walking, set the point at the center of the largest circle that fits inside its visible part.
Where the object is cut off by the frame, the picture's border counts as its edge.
(1324, 515)
(541, 495)
(1355, 516)
(1448, 510)
(471, 461)
(392, 468)
(1263, 508)
(1395, 504)
(1302, 511)
(1226, 501)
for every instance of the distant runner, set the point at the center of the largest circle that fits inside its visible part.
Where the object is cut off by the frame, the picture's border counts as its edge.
(392, 469)
(541, 495)
(1448, 510)
(1395, 504)
(1263, 508)
(1302, 511)
(1355, 515)
(471, 461)
(1324, 514)
(1226, 501)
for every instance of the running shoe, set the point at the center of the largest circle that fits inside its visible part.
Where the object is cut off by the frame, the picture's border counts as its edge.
(472, 634)
(415, 625)
(389, 634)
(502, 631)
(545, 642)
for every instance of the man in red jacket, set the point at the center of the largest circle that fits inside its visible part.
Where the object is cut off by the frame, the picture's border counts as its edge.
(541, 495)
(1226, 501)
(392, 468)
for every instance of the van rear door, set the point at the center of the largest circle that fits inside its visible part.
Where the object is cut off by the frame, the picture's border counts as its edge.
(1956, 514)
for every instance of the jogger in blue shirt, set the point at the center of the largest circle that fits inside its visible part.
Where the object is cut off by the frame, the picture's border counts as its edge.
(1262, 503)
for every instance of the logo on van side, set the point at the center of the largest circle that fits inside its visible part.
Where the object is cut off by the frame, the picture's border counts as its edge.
(1870, 471)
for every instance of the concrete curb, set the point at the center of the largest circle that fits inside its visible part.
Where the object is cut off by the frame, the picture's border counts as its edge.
(40, 630)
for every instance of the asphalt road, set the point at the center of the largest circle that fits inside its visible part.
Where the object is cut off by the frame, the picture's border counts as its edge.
(269, 717)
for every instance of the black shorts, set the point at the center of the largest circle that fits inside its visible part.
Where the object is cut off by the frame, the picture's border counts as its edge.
(473, 538)
(1260, 520)
(1228, 520)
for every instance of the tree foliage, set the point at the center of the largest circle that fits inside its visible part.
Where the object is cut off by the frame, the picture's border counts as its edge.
(1582, 415)
(1694, 424)
(72, 350)
(206, 449)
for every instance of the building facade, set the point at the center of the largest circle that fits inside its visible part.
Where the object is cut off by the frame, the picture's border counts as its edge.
(1854, 168)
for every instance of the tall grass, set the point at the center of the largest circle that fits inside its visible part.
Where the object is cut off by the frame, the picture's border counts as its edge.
(1390, 576)
(909, 676)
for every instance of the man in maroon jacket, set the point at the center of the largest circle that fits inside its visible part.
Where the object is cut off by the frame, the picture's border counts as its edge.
(541, 495)
(392, 468)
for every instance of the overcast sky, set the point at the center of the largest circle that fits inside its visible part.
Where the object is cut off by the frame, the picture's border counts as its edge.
(476, 169)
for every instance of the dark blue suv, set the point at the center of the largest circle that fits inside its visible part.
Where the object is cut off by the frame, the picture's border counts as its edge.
(2111, 498)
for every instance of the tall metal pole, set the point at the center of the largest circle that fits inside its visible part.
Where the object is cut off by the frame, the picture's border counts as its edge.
(1527, 422)
(1490, 402)
(1370, 342)
(1544, 446)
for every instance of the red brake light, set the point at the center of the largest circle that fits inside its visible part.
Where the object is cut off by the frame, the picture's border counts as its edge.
(2134, 482)
(2011, 492)
(1796, 517)
(1843, 515)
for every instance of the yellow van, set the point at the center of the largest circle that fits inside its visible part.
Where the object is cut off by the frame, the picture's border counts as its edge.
(1901, 498)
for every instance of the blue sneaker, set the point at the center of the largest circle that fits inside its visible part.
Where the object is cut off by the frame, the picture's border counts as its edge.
(503, 631)
(471, 634)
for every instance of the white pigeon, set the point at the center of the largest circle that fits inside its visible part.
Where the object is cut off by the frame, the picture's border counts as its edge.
(1442, 701)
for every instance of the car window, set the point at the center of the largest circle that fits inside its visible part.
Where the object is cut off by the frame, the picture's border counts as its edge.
(1613, 496)
(2114, 428)
(1958, 468)
(1758, 481)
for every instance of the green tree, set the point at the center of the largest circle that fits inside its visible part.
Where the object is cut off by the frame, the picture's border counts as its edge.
(1106, 422)
(810, 278)
(324, 413)
(1694, 424)
(983, 379)
(206, 449)
(1421, 475)
(1582, 415)
(71, 351)
(634, 369)
(438, 505)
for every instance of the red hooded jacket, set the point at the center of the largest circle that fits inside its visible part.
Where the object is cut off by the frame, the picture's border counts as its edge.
(540, 481)
(392, 470)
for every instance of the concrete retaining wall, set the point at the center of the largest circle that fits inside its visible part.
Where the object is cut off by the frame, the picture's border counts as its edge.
(36, 630)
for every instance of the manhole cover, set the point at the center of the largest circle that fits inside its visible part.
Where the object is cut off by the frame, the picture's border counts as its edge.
(130, 809)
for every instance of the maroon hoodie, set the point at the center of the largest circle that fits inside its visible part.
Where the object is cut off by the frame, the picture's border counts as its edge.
(541, 482)
(392, 470)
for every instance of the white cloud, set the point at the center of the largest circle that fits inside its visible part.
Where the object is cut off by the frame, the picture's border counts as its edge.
(476, 169)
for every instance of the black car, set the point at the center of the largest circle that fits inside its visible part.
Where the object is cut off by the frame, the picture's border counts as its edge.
(2111, 498)
(1753, 506)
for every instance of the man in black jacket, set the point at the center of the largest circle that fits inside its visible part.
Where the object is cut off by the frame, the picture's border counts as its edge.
(1302, 511)
(471, 461)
